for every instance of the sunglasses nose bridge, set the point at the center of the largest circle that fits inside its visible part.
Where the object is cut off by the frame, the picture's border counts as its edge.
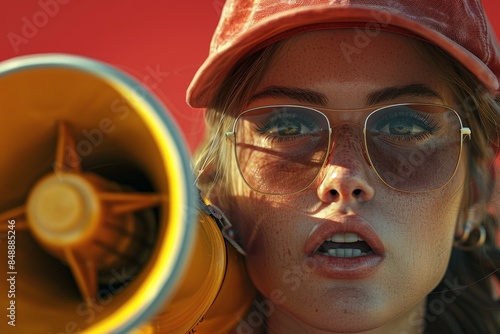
(350, 136)
(340, 120)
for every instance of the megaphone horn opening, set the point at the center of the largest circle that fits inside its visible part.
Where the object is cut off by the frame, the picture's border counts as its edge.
(102, 180)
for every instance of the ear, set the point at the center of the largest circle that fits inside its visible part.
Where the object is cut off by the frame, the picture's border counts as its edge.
(471, 219)
(471, 235)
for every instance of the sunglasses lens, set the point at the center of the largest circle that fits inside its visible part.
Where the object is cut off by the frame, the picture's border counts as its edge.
(414, 147)
(280, 150)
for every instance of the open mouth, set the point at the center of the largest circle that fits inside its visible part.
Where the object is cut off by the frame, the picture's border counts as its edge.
(345, 245)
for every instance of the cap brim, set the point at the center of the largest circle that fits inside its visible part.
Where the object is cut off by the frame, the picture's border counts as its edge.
(217, 66)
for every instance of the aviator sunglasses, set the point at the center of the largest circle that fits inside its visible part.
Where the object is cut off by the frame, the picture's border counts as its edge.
(412, 147)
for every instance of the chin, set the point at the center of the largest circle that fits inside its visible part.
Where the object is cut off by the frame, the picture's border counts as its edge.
(343, 320)
(343, 309)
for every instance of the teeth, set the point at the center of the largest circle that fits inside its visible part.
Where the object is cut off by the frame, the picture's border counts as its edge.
(339, 237)
(346, 252)
(345, 237)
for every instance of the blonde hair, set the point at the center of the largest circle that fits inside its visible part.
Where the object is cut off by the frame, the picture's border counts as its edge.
(215, 164)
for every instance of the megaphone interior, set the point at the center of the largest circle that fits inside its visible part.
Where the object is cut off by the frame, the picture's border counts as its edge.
(99, 214)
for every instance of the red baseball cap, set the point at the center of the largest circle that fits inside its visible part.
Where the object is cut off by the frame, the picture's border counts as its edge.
(459, 27)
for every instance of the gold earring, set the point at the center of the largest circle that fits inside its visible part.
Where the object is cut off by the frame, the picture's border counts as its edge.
(463, 243)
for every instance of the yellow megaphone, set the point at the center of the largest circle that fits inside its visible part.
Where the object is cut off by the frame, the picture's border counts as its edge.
(101, 229)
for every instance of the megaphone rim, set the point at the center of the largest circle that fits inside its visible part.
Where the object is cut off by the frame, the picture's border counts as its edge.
(125, 82)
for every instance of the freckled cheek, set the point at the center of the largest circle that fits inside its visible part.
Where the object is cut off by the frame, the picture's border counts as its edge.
(263, 238)
(270, 262)
(266, 247)
(267, 226)
(420, 238)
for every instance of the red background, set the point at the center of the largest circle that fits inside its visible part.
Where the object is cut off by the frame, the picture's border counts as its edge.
(169, 36)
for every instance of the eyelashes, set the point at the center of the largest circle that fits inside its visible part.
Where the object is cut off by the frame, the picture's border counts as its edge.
(403, 124)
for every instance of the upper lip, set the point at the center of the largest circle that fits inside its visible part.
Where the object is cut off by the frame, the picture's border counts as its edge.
(346, 224)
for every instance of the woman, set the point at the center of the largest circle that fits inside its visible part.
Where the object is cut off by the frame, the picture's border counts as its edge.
(350, 145)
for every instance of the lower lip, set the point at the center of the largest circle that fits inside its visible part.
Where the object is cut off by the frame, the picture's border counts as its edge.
(344, 268)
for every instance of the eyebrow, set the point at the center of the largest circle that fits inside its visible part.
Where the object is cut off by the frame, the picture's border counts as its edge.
(373, 98)
(298, 94)
(391, 93)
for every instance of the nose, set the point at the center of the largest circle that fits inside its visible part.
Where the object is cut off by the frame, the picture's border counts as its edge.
(345, 177)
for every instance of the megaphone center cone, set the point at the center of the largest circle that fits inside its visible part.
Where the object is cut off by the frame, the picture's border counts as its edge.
(59, 206)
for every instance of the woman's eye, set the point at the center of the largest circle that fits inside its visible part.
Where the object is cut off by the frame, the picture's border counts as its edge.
(403, 126)
(288, 128)
(287, 125)
(408, 125)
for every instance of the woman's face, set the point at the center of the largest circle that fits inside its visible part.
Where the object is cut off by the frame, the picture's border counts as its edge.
(411, 234)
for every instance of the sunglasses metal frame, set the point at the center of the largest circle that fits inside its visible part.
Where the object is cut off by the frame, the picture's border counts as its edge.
(464, 132)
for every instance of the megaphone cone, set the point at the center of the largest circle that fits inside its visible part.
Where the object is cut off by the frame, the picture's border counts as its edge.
(98, 213)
